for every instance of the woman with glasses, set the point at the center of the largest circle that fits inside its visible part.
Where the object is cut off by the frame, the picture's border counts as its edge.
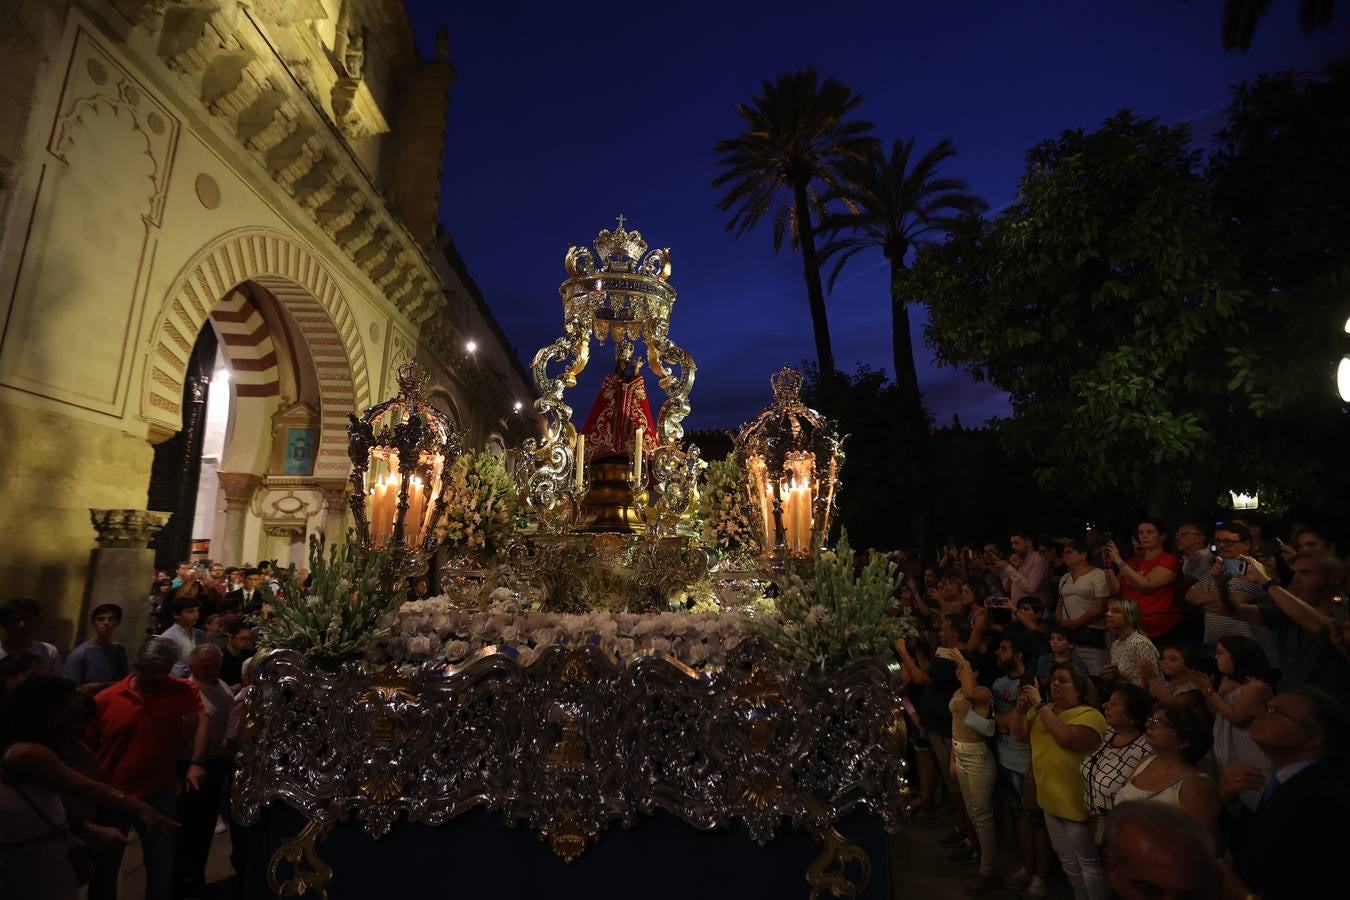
(1123, 748)
(1148, 578)
(1244, 690)
(1062, 732)
(1179, 739)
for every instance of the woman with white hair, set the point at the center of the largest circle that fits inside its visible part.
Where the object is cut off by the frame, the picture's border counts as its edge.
(1131, 646)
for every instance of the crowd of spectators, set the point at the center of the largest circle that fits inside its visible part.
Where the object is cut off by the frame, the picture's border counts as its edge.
(110, 741)
(1095, 701)
(1160, 720)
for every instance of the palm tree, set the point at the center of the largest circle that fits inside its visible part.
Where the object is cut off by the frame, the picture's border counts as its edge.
(796, 134)
(1240, 18)
(895, 207)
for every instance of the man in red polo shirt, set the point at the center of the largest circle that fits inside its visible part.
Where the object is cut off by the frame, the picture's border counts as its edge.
(142, 723)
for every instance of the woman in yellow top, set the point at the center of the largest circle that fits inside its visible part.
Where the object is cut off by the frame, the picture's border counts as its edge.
(1062, 732)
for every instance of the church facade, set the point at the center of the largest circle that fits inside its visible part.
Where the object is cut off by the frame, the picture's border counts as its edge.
(218, 236)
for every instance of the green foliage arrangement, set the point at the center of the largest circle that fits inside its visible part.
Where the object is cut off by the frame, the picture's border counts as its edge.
(838, 615)
(340, 616)
(482, 510)
(724, 524)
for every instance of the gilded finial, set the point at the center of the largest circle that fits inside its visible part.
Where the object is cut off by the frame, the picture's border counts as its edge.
(412, 379)
(787, 385)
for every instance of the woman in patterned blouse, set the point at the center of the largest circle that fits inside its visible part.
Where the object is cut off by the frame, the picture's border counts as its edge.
(1131, 646)
(1123, 748)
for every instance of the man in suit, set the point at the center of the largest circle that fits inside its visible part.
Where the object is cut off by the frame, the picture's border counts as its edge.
(251, 596)
(1284, 848)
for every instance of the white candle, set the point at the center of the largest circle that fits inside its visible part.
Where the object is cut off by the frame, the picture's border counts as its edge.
(581, 461)
(412, 525)
(637, 455)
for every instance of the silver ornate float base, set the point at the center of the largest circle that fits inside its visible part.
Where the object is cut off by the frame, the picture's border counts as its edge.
(571, 745)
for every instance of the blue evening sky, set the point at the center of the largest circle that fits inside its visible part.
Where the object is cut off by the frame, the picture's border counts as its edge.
(565, 115)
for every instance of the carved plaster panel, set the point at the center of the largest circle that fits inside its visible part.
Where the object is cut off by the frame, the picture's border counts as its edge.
(98, 86)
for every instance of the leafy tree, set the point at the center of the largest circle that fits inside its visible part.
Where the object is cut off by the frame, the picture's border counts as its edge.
(1152, 320)
(895, 207)
(1241, 16)
(1097, 302)
(783, 163)
(1282, 191)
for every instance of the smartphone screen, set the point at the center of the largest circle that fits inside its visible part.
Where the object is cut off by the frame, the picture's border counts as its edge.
(1235, 566)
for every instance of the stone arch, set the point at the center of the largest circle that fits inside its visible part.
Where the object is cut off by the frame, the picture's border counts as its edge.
(303, 285)
(247, 342)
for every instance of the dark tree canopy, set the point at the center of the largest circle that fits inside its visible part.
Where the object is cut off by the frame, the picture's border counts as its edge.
(1164, 328)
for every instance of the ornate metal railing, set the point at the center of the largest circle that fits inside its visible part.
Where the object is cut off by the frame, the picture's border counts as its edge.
(572, 744)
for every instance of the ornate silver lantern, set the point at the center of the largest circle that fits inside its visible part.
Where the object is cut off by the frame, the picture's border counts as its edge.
(400, 450)
(791, 456)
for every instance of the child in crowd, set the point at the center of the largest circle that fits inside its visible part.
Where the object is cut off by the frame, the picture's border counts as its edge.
(1061, 652)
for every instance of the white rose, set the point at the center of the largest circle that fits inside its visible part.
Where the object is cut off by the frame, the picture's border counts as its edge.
(419, 645)
(526, 655)
(625, 647)
(456, 650)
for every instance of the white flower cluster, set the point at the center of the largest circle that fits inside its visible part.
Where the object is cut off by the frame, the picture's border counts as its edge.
(434, 631)
(481, 509)
(725, 525)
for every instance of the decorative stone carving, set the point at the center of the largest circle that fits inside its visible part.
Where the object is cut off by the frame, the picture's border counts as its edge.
(127, 527)
(249, 66)
(99, 87)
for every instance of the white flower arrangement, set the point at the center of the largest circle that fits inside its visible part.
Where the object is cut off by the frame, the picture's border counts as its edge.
(481, 510)
(434, 630)
(724, 524)
(838, 615)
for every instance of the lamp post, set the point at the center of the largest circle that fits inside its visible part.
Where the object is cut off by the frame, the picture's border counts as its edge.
(400, 450)
(791, 456)
(1343, 372)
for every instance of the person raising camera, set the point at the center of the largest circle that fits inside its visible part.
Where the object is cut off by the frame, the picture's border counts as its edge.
(1223, 592)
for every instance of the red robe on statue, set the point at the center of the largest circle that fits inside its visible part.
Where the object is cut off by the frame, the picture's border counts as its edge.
(619, 410)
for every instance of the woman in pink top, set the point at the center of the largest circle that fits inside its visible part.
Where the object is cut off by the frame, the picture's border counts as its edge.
(1148, 578)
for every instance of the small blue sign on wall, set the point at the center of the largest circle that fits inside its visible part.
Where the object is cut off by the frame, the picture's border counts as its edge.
(300, 443)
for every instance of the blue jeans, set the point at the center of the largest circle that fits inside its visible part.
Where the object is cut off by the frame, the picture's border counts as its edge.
(157, 845)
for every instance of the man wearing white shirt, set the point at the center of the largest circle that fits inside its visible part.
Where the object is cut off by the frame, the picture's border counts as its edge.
(183, 632)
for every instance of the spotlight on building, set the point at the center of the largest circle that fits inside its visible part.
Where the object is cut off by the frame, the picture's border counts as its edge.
(517, 406)
(471, 346)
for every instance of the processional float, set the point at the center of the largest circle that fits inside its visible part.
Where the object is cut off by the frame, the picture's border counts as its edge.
(582, 739)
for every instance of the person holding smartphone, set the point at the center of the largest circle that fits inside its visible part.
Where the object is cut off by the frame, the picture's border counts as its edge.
(1223, 592)
(1148, 578)
(1081, 608)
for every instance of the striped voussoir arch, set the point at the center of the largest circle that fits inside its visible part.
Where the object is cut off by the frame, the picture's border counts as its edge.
(247, 343)
(302, 284)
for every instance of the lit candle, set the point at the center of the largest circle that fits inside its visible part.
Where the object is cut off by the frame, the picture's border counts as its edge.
(637, 455)
(412, 525)
(378, 520)
(581, 461)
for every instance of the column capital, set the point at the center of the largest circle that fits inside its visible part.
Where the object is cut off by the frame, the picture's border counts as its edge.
(127, 527)
(238, 487)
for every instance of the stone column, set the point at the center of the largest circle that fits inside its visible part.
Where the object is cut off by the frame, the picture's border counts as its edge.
(123, 568)
(335, 512)
(238, 488)
(292, 536)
